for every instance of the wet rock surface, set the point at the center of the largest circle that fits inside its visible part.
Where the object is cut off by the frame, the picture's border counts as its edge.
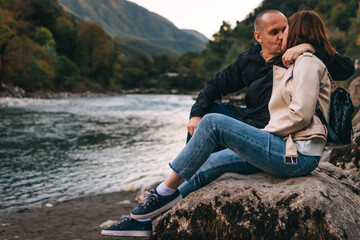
(322, 205)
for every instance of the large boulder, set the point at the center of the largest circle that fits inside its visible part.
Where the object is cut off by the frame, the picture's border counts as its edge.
(354, 90)
(322, 205)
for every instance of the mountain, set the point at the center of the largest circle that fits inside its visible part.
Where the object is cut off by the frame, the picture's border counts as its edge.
(139, 27)
(196, 34)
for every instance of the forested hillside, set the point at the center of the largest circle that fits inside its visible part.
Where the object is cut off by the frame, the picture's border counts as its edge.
(45, 48)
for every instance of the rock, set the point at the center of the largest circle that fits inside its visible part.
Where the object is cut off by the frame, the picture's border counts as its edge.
(49, 205)
(354, 176)
(322, 205)
(325, 155)
(129, 189)
(347, 157)
(12, 91)
(125, 202)
(108, 223)
(354, 90)
(356, 123)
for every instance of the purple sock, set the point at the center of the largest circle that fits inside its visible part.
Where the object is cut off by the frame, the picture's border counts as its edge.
(164, 190)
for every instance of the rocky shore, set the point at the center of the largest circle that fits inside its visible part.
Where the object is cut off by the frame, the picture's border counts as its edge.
(75, 219)
(16, 92)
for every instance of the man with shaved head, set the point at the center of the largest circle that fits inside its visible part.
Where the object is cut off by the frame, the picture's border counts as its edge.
(269, 27)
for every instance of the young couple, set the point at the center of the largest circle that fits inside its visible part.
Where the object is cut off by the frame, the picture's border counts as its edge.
(287, 76)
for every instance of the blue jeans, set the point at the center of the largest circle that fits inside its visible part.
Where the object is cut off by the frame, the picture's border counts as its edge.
(249, 150)
(219, 108)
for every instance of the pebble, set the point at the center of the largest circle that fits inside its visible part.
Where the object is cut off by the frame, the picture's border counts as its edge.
(129, 189)
(49, 205)
(123, 202)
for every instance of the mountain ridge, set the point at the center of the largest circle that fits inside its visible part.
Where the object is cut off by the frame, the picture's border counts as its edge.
(121, 18)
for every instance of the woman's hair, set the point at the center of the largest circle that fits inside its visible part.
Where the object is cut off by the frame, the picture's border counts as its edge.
(307, 27)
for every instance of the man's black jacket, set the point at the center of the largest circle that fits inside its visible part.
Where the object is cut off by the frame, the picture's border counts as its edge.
(250, 70)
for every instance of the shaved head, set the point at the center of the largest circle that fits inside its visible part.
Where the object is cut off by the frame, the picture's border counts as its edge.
(269, 30)
(258, 23)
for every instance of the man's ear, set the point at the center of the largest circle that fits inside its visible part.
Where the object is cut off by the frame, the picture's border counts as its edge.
(257, 36)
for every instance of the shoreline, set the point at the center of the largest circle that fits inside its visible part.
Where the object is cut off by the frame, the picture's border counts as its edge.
(16, 92)
(78, 218)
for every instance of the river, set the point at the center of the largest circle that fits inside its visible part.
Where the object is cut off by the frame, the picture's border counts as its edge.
(55, 150)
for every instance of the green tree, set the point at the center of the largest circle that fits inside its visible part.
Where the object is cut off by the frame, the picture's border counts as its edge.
(45, 13)
(41, 74)
(67, 74)
(92, 54)
(44, 37)
(340, 16)
(66, 37)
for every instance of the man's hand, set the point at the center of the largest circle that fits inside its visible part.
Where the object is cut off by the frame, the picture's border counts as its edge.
(192, 125)
(291, 54)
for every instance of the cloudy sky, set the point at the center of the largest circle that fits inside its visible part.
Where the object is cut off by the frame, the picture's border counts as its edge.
(205, 16)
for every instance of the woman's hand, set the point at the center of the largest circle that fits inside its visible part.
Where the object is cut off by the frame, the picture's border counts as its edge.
(291, 54)
(192, 125)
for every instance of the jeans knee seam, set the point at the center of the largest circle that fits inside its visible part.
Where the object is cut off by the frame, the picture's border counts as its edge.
(197, 150)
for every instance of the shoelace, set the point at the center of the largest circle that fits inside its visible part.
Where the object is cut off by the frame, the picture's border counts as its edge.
(125, 218)
(149, 197)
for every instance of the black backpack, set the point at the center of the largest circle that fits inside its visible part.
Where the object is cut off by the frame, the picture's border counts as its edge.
(340, 125)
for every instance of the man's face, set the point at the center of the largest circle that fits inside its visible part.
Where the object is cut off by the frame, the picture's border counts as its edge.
(270, 35)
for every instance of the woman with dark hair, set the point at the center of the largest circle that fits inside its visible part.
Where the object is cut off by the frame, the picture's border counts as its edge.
(290, 145)
(307, 27)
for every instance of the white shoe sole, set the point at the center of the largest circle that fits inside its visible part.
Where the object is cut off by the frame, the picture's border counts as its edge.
(157, 212)
(126, 233)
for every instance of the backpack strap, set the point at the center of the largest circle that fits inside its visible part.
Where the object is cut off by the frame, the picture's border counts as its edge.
(331, 132)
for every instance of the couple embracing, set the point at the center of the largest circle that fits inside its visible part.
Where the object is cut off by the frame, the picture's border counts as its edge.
(287, 75)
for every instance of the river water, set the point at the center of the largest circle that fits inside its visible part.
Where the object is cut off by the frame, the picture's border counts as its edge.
(55, 150)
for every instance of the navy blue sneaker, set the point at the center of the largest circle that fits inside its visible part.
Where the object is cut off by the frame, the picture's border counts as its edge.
(154, 204)
(128, 227)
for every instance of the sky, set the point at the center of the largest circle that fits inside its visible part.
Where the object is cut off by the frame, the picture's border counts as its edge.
(205, 16)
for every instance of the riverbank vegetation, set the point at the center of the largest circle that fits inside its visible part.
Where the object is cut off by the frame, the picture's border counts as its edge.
(45, 48)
